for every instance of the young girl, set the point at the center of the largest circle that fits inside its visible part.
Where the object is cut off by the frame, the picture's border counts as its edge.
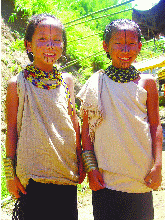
(121, 126)
(43, 129)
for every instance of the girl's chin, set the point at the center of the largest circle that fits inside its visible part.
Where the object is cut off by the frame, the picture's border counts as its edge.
(49, 59)
(123, 66)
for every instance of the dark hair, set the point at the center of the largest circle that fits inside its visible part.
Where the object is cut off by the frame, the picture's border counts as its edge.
(114, 26)
(34, 22)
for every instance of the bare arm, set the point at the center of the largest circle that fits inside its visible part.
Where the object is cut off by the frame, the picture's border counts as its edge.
(96, 181)
(14, 186)
(11, 118)
(156, 133)
(69, 81)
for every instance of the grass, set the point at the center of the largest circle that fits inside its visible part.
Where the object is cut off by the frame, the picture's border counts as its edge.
(4, 191)
(82, 187)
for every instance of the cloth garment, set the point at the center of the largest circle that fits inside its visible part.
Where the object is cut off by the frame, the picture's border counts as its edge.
(47, 201)
(119, 129)
(115, 205)
(46, 149)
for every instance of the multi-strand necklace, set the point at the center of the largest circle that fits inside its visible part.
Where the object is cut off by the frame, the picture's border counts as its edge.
(35, 75)
(122, 75)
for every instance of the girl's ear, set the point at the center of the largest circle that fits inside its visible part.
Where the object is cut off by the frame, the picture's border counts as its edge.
(28, 46)
(105, 46)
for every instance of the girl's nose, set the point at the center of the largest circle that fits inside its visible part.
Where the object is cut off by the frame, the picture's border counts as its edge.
(125, 48)
(50, 44)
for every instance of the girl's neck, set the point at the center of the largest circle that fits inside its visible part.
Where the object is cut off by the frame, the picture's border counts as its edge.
(46, 68)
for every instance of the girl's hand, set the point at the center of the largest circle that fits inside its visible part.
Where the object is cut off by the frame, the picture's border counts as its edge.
(14, 187)
(154, 178)
(96, 181)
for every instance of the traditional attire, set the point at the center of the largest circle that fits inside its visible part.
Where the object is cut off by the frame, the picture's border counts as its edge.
(46, 148)
(120, 132)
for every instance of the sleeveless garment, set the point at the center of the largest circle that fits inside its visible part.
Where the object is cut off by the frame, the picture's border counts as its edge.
(119, 130)
(46, 148)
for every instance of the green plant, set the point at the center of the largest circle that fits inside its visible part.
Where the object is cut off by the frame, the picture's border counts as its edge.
(4, 191)
(18, 44)
(12, 17)
(162, 101)
(83, 186)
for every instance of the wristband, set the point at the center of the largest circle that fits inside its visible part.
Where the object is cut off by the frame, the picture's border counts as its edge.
(9, 167)
(89, 161)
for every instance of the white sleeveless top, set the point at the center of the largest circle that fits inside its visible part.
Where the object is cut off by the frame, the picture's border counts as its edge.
(46, 149)
(119, 130)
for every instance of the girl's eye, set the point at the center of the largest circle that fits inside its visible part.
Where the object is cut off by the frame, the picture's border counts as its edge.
(42, 39)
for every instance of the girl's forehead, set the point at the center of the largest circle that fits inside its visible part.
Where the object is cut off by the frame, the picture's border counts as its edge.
(50, 23)
(126, 33)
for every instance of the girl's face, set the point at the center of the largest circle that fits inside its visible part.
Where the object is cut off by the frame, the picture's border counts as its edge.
(123, 48)
(46, 45)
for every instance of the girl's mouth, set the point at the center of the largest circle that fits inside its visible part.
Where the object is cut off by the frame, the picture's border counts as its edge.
(49, 54)
(125, 58)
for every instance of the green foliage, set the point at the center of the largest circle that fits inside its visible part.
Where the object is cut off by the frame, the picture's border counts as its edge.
(82, 187)
(162, 101)
(151, 49)
(12, 17)
(4, 191)
(18, 44)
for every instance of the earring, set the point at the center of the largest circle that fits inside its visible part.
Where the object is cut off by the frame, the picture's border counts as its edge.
(62, 59)
(30, 55)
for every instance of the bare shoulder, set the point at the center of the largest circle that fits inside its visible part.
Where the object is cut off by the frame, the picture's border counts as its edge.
(147, 81)
(12, 80)
(12, 87)
(12, 83)
(68, 79)
(147, 77)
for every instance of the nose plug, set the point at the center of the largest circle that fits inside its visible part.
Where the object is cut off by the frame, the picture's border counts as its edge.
(125, 49)
(50, 44)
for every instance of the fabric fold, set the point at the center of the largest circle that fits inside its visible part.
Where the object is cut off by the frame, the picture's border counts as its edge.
(90, 98)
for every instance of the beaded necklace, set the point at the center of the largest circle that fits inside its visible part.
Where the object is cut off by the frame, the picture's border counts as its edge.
(34, 75)
(122, 75)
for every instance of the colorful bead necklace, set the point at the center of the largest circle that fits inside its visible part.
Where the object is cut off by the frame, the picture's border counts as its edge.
(122, 75)
(33, 75)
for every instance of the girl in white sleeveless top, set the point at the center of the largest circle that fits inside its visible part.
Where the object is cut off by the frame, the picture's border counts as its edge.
(121, 134)
(43, 139)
